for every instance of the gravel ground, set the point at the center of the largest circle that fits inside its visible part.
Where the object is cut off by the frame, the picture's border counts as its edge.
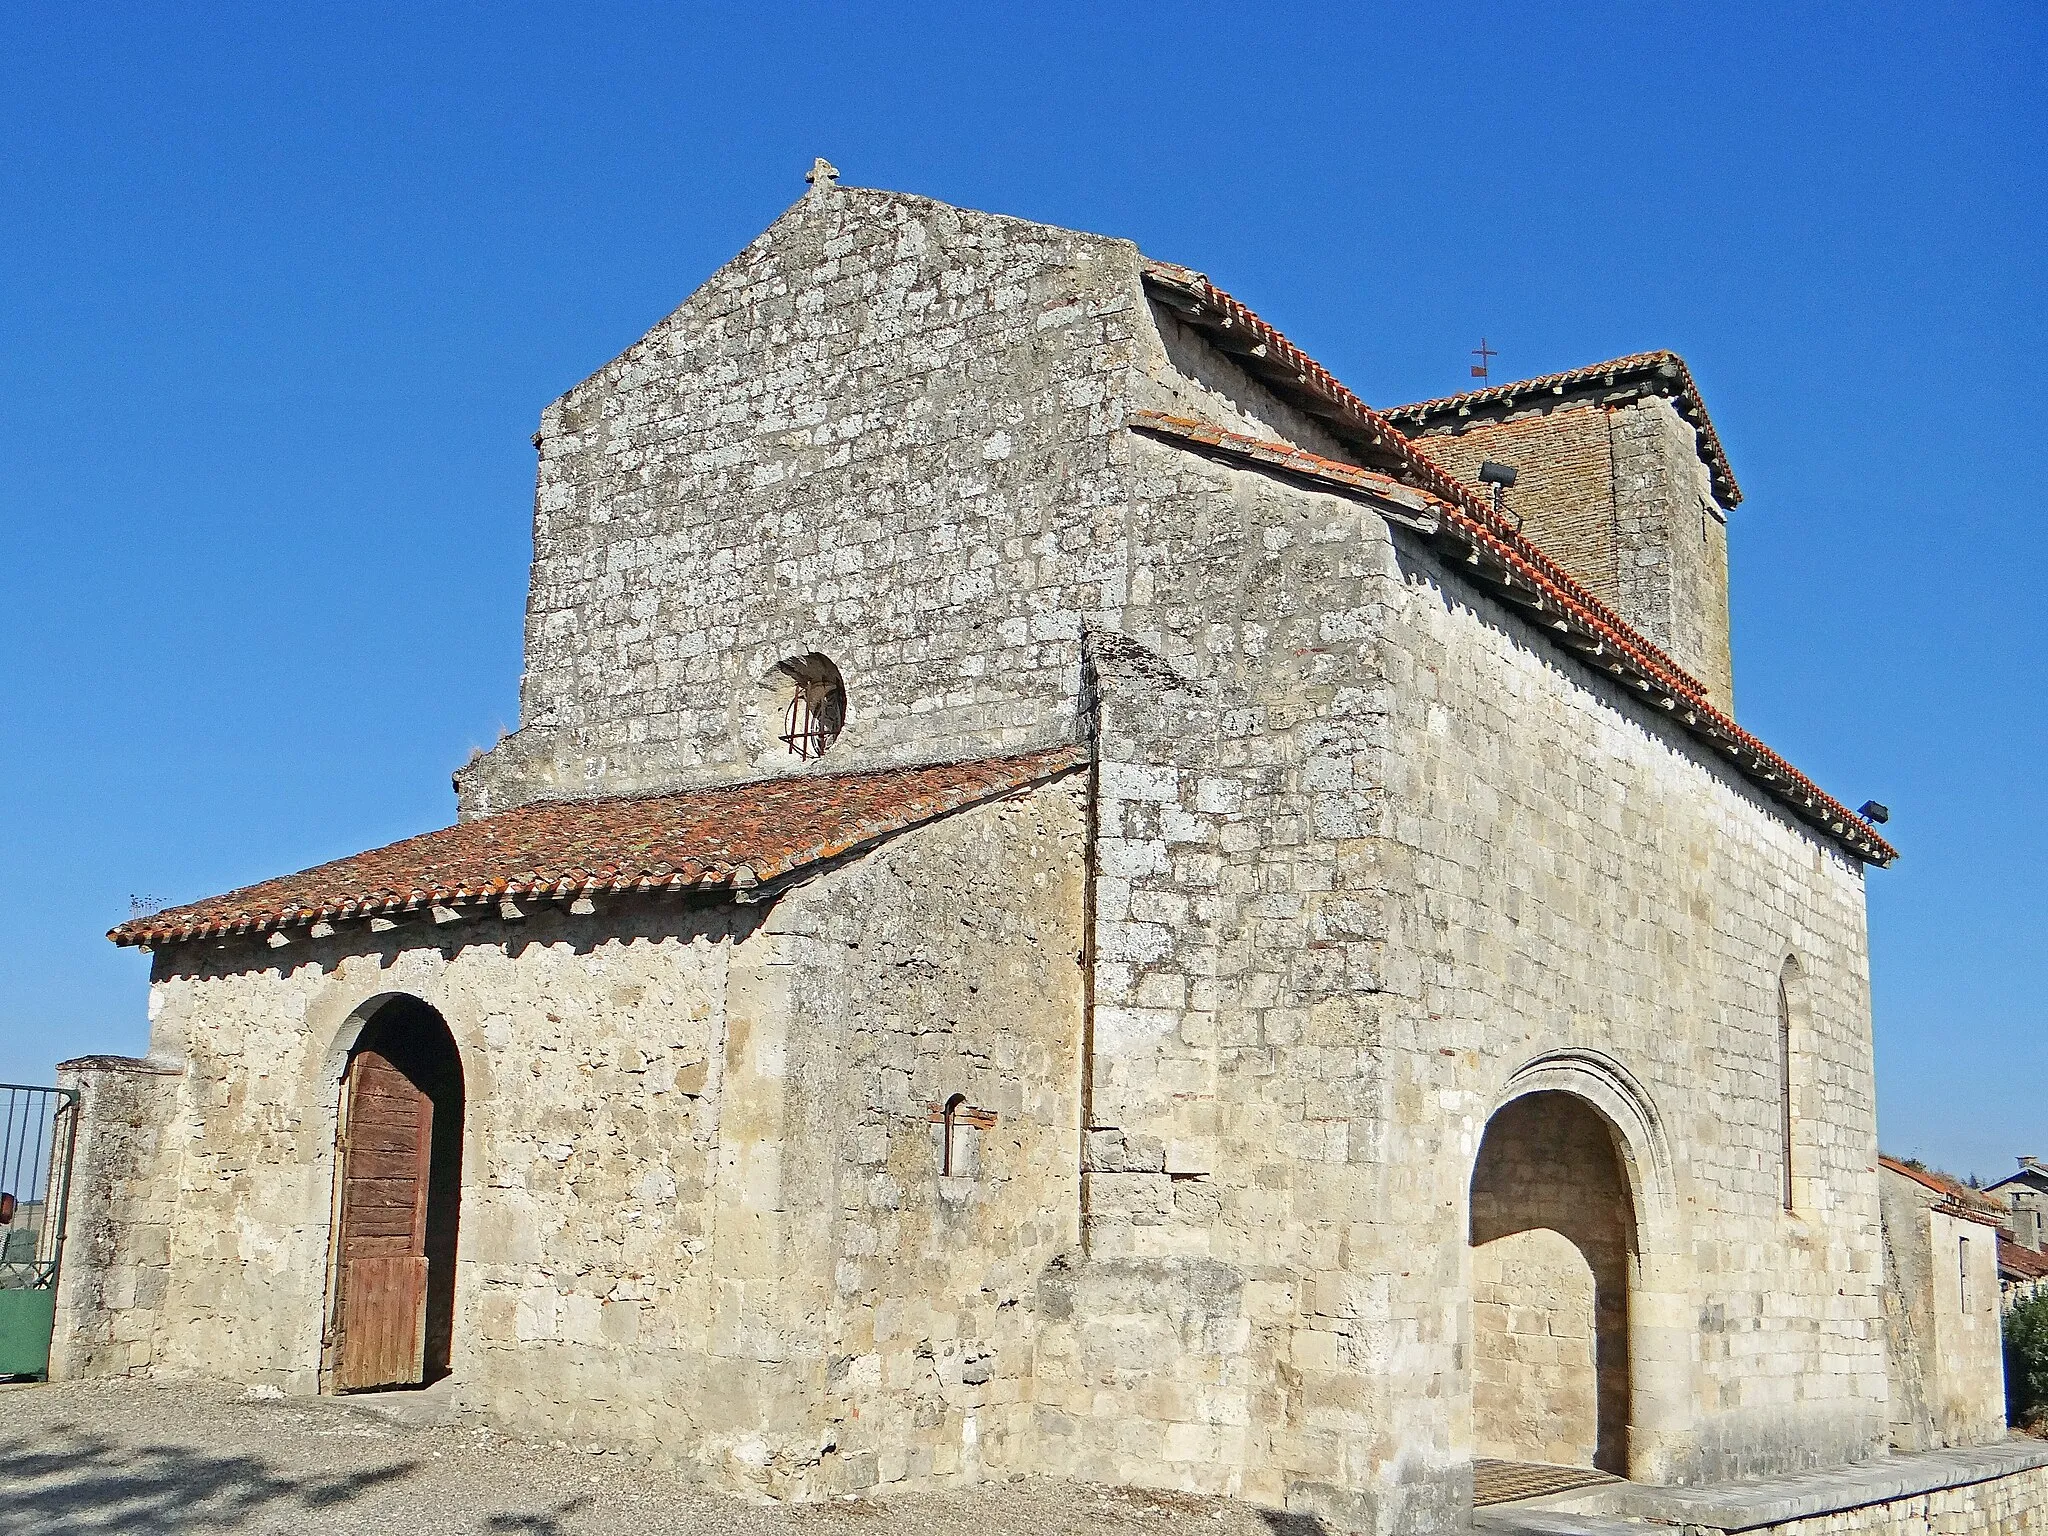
(118, 1456)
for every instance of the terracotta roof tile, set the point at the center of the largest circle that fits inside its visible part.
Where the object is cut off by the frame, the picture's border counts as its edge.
(2021, 1263)
(1958, 1197)
(1497, 553)
(1662, 367)
(725, 839)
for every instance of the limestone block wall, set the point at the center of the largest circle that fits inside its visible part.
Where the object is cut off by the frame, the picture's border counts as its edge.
(1582, 890)
(1371, 861)
(701, 1203)
(946, 965)
(2013, 1505)
(1236, 1090)
(1944, 1346)
(884, 433)
(591, 1057)
(1674, 542)
(116, 1266)
(889, 432)
(1210, 385)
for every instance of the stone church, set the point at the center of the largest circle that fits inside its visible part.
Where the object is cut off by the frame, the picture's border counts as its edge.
(1067, 898)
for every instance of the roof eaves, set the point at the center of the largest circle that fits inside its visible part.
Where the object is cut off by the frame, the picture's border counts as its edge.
(873, 830)
(2033, 1178)
(1262, 351)
(1504, 560)
(521, 882)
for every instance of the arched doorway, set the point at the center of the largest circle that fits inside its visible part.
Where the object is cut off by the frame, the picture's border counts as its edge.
(1553, 1241)
(399, 1151)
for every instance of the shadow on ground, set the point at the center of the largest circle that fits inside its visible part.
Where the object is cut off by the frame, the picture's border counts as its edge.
(72, 1479)
(549, 1524)
(1192, 1507)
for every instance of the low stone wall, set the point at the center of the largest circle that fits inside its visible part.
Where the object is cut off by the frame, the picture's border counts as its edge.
(2015, 1505)
(1999, 1489)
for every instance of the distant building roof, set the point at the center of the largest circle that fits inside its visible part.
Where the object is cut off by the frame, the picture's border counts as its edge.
(730, 838)
(1958, 1199)
(1662, 373)
(2031, 1174)
(2018, 1263)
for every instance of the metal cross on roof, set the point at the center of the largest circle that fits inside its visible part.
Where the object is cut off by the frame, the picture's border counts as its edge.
(1485, 354)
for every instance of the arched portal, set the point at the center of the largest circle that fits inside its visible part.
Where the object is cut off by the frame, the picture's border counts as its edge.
(399, 1156)
(1553, 1244)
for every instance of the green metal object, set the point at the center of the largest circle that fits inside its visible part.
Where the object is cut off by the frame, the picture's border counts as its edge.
(26, 1320)
(38, 1133)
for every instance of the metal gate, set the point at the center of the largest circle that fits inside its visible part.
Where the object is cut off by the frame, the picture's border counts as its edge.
(38, 1132)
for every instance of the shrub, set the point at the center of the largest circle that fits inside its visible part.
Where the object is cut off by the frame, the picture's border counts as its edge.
(2026, 1363)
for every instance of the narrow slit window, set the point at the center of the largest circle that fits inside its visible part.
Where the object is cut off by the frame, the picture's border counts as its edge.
(949, 1151)
(1785, 1127)
(1963, 1273)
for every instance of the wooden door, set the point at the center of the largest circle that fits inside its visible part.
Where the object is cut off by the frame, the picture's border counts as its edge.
(387, 1143)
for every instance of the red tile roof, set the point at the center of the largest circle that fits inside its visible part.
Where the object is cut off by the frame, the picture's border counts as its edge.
(1666, 368)
(1957, 1197)
(2021, 1263)
(726, 839)
(1493, 550)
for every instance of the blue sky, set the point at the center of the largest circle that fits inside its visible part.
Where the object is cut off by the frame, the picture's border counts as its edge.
(284, 289)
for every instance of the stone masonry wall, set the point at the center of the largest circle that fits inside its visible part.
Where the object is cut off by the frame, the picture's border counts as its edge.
(700, 1209)
(1577, 882)
(889, 432)
(1674, 542)
(1368, 850)
(1237, 1318)
(883, 433)
(947, 963)
(592, 1061)
(2015, 1505)
(1943, 1335)
(117, 1248)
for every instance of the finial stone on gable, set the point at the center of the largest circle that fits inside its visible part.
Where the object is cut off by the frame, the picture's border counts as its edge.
(823, 176)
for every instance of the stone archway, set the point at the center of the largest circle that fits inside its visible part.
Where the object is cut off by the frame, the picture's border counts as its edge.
(1554, 1246)
(399, 1177)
